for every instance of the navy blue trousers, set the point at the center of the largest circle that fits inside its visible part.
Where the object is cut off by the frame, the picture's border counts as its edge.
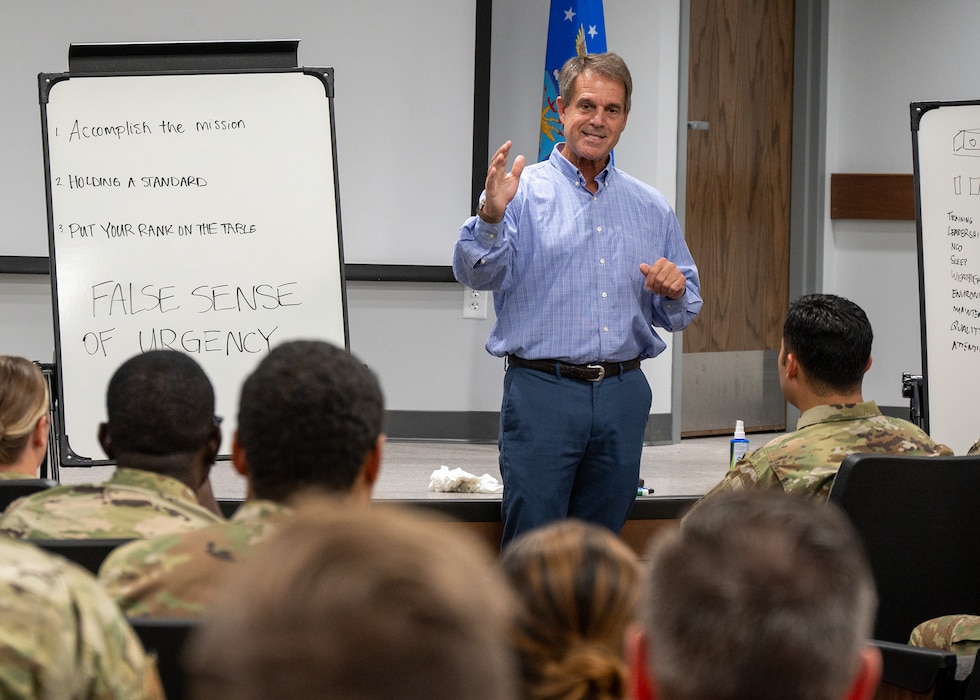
(570, 448)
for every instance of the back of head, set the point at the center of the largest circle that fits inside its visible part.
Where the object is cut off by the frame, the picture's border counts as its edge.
(23, 401)
(308, 415)
(607, 65)
(831, 338)
(160, 406)
(360, 603)
(761, 595)
(577, 585)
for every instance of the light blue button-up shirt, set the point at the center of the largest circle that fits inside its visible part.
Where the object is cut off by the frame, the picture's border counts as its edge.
(564, 267)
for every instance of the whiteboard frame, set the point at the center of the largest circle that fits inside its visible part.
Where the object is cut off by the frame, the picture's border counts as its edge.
(66, 455)
(950, 405)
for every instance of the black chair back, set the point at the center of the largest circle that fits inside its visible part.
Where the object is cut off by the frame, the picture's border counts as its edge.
(87, 553)
(165, 639)
(919, 518)
(12, 489)
(916, 672)
(971, 689)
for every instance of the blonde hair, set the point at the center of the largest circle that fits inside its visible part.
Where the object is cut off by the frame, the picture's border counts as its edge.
(23, 402)
(579, 586)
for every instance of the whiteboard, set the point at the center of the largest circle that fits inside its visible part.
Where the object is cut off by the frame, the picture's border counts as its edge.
(195, 212)
(946, 155)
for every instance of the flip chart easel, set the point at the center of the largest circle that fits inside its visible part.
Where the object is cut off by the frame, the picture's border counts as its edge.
(193, 205)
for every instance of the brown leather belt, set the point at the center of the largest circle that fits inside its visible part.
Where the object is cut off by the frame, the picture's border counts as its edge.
(594, 372)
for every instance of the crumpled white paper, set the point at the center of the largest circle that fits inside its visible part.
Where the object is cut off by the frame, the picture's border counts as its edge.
(457, 481)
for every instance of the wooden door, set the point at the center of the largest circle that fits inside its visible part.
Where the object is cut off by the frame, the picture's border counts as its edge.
(737, 210)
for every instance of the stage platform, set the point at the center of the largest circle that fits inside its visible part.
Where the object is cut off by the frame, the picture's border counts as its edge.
(678, 474)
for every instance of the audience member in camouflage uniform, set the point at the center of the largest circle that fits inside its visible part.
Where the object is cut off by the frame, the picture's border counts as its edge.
(163, 434)
(379, 603)
(959, 634)
(824, 354)
(61, 636)
(310, 416)
(759, 594)
(23, 418)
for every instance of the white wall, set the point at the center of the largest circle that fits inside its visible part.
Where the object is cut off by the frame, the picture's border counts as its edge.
(883, 55)
(26, 327)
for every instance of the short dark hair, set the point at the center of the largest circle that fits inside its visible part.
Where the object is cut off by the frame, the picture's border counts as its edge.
(758, 594)
(160, 403)
(307, 416)
(830, 337)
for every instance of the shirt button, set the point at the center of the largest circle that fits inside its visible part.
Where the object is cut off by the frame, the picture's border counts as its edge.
(483, 261)
(603, 295)
(605, 329)
(599, 229)
(602, 261)
(491, 235)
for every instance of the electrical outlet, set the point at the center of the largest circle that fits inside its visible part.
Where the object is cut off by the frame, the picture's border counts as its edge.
(474, 303)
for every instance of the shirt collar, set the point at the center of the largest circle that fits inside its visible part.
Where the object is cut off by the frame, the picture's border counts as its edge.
(565, 167)
(258, 509)
(165, 485)
(830, 413)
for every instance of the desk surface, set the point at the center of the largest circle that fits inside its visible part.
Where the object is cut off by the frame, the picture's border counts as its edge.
(678, 474)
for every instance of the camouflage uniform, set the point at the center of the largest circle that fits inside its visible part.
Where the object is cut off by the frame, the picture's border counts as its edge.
(807, 460)
(180, 575)
(12, 476)
(959, 634)
(132, 503)
(61, 636)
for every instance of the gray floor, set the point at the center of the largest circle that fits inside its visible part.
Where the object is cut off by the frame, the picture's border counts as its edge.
(688, 468)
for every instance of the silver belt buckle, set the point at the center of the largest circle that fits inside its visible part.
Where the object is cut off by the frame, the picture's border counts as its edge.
(602, 372)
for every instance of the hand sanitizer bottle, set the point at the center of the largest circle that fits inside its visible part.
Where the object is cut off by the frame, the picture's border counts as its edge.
(738, 446)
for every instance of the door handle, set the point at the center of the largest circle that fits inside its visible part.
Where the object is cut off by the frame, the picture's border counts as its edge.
(697, 126)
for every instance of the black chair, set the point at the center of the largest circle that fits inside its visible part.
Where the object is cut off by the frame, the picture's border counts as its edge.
(165, 639)
(12, 489)
(919, 518)
(87, 553)
(971, 687)
(914, 672)
(228, 507)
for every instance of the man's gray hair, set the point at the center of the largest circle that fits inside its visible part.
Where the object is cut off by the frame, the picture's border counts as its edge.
(759, 594)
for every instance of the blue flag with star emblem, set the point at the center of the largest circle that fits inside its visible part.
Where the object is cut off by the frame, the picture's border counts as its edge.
(575, 27)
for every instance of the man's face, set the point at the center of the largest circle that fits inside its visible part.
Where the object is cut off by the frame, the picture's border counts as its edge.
(594, 119)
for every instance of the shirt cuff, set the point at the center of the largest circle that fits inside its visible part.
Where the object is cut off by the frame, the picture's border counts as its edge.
(488, 234)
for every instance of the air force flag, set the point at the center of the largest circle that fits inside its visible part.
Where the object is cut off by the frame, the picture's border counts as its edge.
(575, 27)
